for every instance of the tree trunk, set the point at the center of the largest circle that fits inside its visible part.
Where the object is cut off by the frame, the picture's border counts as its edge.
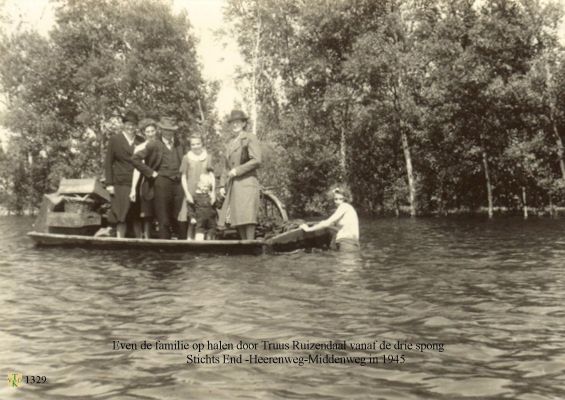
(396, 206)
(442, 209)
(342, 154)
(255, 77)
(488, 183)
(551, 208)
(524, 202)
(559, 147)
(100, 133)
(552, 109)
(409, 172)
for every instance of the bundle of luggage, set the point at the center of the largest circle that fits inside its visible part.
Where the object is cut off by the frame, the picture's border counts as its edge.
(77, 208)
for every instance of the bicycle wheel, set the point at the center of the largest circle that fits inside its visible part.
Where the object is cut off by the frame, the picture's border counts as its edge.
(272, 212)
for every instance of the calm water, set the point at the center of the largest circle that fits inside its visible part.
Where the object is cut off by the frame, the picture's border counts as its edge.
(492, 292)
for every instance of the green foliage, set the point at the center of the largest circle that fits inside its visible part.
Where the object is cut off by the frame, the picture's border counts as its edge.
(468, 94)
(358, 90)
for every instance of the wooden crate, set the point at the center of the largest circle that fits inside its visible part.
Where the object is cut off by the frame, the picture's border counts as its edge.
(73, 223)
(73, 220)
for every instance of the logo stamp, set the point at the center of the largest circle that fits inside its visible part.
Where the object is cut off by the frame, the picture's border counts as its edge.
(15, 379)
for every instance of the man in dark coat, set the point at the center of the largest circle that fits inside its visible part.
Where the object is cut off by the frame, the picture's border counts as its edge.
(160, 163)
(119, 171)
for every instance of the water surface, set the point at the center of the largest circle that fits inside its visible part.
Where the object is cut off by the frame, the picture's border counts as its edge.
(492, 293)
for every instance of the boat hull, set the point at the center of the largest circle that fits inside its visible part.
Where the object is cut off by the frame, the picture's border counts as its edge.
(199, 246)
(284, 242)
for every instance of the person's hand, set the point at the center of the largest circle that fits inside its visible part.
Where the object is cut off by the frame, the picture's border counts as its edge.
(223, 192)
(155, 174)
(110, 189)
(305, 227)
(193, 221)
(232, 173)
(132, 196)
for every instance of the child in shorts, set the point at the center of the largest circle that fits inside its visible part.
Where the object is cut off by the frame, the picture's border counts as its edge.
(201, 212)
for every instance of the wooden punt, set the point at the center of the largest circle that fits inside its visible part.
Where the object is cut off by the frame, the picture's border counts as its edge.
(285, 242)
(68, 218)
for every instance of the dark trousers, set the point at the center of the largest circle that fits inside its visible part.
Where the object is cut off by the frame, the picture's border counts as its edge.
(206, 224)
(168, 202)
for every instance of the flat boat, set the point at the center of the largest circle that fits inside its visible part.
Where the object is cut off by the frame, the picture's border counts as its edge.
(71, 217)
(285, 242)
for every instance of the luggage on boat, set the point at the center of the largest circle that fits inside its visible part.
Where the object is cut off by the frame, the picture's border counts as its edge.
(75, 209)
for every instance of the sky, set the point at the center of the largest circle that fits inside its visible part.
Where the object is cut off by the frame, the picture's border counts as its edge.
(205, 16)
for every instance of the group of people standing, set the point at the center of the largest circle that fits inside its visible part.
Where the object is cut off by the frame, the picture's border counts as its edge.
(152, 177)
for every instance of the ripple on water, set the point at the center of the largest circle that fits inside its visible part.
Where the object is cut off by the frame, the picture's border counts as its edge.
(536, 368)
(470, 387)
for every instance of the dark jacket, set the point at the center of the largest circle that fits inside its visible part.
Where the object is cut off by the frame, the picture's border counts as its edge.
(118, 164)
(148, 160)
(202, 208)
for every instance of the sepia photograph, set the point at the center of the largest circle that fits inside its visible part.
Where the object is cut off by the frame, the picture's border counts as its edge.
(282, 199)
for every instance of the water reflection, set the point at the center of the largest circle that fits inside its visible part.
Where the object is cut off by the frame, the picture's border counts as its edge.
(492, 292)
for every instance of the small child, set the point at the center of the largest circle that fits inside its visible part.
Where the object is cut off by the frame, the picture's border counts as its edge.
(202, 212)
(195, 162)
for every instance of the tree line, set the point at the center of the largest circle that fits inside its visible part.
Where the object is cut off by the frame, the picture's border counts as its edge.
(420, 106)
(64, 92)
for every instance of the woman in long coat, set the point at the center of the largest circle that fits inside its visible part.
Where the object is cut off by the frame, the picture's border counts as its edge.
(239, 180)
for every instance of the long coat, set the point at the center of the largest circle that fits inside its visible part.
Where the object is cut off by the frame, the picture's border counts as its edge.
(242, 192)
(147, 160)
(118, 164)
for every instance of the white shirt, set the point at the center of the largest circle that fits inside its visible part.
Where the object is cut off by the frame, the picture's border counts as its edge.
(345, 218)
(169, 144)
(130, 141)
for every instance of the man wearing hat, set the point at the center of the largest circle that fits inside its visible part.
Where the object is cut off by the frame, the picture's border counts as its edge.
(239, 181)
(119, 171)
(160, 163)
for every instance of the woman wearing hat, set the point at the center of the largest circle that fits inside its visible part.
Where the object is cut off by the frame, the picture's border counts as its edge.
(239, 180)
(119, 171)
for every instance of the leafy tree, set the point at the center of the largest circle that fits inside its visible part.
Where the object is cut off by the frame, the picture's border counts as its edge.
(101, 57)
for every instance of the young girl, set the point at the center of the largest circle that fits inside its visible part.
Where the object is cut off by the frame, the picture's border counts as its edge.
(196, 162)
(344, 218)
